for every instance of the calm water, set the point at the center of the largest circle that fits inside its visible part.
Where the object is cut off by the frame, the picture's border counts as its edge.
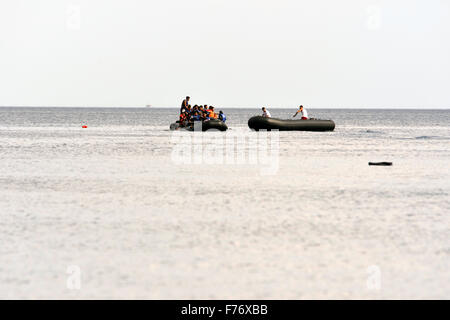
(112, 201)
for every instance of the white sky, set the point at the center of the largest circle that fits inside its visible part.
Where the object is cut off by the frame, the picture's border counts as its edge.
(320, 53)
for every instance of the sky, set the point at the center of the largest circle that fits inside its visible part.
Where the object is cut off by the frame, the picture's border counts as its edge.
(228, 53)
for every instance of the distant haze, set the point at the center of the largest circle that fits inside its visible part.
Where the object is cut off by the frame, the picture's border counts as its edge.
(278, 53)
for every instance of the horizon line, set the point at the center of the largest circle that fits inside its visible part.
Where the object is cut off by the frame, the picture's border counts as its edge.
(235, 107)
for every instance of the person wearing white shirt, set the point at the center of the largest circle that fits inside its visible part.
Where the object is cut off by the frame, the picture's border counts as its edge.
(266, 113)
(303, 112)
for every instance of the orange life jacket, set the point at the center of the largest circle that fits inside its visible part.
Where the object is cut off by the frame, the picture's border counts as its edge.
(212, 114)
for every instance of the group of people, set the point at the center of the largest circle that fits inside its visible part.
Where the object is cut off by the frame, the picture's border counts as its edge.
(301, 110)
(190, 114)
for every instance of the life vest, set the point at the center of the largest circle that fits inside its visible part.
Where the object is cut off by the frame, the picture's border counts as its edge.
(212, 114)
(222, 117)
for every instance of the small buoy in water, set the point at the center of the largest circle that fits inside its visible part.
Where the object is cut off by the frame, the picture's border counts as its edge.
(380, 163)
(84, 127)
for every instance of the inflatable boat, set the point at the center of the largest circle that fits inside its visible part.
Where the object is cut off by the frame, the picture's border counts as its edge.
(205, 125)
(264, 123)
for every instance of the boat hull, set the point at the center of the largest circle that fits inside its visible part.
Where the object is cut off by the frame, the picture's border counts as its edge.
(264, 123)
(214, 124)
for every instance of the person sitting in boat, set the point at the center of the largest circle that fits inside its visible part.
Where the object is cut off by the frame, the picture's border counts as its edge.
(211, 112)
(183, 119)
(303, 112)
(266, 113)
(205, 116)
(184, 104)
(222, 116)
(196, 116)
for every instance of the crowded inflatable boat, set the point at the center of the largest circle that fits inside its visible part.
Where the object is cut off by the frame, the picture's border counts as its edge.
(199, 117)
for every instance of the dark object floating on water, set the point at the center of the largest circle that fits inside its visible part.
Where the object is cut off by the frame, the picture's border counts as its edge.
(263, 123)
(380, 163)
(205, 125)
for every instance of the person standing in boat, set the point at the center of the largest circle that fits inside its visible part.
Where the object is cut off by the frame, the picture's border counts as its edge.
(184, 104)
(303, 112)
(266, 113)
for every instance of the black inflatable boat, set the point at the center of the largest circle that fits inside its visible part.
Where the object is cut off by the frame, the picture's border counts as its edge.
(263, 123)
(205, 125)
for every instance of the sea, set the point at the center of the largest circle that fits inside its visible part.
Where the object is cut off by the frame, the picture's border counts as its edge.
(124, 208)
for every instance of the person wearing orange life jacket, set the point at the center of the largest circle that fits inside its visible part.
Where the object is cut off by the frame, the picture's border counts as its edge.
(211, 113)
